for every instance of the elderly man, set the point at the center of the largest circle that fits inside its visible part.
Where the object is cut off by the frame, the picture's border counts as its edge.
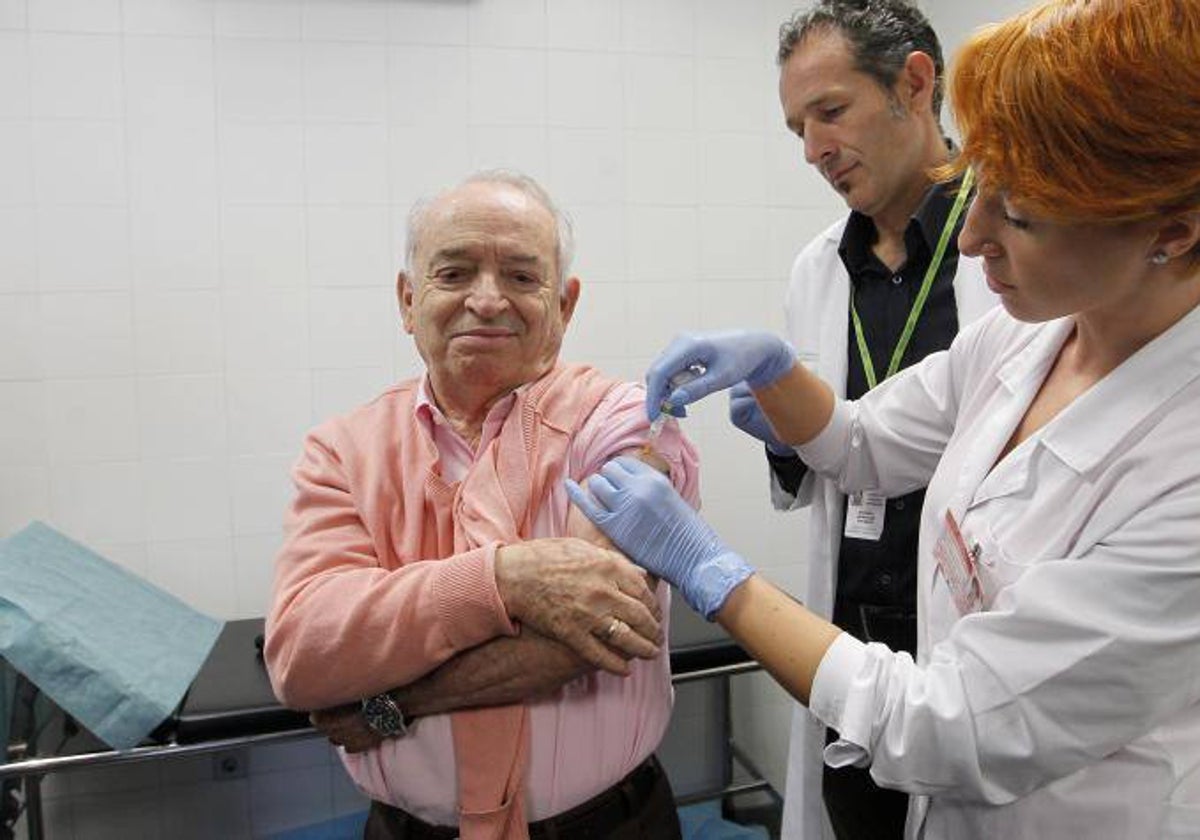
(506, 674)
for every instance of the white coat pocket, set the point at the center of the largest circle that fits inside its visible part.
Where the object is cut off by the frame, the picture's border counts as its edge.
(993, 564)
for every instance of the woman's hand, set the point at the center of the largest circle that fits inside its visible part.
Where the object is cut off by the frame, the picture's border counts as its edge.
(723, 360)
(747, 415)
(639, 510)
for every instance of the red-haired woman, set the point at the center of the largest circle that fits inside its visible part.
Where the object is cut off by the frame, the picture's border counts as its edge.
(1056, 691)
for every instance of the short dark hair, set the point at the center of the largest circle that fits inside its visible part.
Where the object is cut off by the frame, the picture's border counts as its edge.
(881, 34)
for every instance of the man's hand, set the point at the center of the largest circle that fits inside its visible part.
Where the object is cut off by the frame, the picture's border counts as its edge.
(589, 598)
(346, 727)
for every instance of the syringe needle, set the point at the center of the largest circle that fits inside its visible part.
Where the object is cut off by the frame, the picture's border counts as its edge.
(656, 427)
(691, 372)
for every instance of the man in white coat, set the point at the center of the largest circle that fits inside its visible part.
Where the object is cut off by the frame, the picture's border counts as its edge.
(861, 86)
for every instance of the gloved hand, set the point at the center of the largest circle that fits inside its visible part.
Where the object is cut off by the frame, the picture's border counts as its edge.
(638, 509)
(747, 415)
(725, 359)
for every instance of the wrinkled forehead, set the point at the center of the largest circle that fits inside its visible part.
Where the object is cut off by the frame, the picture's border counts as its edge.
(820, 70)
(480, 219)
(825, 57)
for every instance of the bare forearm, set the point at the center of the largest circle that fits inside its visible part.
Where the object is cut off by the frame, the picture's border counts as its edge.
(786, 639)
(502, 671)
(798, 405)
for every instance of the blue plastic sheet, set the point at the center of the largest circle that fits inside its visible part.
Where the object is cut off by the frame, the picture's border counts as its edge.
(703, 821)
(112, 650)
(346, 827)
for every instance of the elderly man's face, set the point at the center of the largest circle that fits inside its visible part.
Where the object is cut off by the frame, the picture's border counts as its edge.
(485, 308)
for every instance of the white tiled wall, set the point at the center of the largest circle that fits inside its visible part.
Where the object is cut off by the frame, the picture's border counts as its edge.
(201, 212)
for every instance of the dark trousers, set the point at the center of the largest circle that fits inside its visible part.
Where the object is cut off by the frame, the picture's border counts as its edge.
(858, 808)
(639, 807)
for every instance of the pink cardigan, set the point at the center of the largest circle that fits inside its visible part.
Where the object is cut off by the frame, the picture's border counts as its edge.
(384, 577)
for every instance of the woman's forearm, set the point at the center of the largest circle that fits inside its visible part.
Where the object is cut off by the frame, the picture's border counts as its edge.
(778, 631)
(798, 405)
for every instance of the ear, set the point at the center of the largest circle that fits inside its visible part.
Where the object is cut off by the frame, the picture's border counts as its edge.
(404, 296)
(1178, 235)
(567, 300)
(915, 85)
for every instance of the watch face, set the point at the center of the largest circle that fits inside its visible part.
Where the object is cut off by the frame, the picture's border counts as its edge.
(383, 715)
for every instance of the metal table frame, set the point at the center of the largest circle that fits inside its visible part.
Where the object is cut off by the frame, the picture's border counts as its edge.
(718, 661)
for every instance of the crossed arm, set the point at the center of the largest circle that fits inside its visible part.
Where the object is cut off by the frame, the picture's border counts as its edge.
(499, 672)
(514, 669)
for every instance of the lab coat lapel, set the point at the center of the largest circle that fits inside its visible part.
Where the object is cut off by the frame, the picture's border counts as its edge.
(818, 312)
(1087, 432)
(1019, 378)
(835, 331)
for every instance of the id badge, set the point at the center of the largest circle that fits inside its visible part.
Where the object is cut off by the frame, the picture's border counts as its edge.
(864, 515)
(957, 565)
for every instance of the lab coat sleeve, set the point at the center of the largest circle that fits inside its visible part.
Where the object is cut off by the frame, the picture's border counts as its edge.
(781, 499)
(784, 499)
(815, 308)
(893, 437)
(1077, 658)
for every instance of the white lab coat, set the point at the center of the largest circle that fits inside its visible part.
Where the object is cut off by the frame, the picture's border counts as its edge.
(817, 310)
(1070, 705)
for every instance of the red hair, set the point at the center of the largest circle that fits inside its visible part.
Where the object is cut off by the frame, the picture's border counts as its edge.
(1086, 110)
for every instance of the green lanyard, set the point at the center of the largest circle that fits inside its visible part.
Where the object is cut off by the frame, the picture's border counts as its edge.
(919, 303)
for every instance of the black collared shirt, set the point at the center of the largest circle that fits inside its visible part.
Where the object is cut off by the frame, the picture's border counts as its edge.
(883, 572)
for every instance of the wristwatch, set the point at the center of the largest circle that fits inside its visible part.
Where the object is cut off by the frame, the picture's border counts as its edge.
(384, 717)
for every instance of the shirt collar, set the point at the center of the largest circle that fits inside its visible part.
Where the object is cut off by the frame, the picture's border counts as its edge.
(934, 210)
(920, 237)
(1089, 430)
(431, 417)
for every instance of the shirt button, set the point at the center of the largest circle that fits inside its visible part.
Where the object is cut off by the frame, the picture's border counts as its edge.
(898, 504)
(883, 581)
(897, 279)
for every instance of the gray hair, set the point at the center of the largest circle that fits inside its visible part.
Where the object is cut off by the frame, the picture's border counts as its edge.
(564, 232)
(881, 34)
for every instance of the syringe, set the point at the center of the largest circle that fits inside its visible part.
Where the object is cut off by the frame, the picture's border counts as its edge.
(689, 374)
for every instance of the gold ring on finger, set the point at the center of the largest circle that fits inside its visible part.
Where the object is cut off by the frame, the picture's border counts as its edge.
(612, 628)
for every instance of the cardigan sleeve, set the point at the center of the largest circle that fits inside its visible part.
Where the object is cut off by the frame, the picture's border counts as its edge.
(346, 623)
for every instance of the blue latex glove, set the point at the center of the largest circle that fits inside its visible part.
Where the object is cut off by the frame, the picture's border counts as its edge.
(726, 358)
(638, 509)
(745, 413)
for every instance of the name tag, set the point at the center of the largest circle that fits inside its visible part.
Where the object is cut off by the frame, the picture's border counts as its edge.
(957, 564)
(864, 515)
